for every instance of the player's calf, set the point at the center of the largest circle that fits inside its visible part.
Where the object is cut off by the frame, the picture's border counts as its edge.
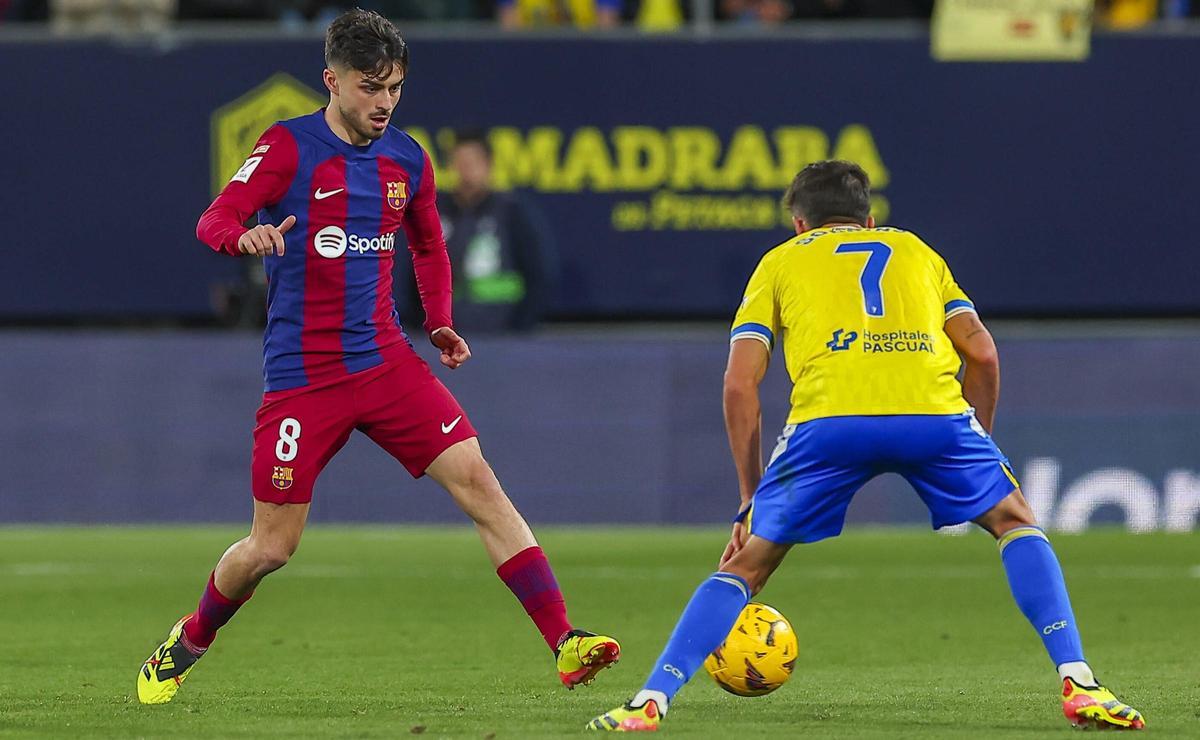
(1040, 590)
(274, 537)
(521, 564)
(470, 481)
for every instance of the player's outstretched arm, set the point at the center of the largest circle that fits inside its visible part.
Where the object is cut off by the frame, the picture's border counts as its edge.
(747, 365)
(981, 378)
(743, 411)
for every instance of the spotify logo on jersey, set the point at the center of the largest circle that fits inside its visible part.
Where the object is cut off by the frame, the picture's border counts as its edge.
(330, 242)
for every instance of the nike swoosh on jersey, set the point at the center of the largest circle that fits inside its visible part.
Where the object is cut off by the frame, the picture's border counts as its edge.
(322, 196)
(447, 428)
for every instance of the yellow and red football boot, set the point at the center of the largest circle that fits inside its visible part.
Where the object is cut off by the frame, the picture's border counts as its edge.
(1096, 707)
(627, 718)
(581, 655)
(165, 669)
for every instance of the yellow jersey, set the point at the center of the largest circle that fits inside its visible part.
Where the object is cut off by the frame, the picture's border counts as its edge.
(860, 314)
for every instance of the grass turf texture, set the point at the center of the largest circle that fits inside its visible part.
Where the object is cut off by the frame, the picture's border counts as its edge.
(382, 632)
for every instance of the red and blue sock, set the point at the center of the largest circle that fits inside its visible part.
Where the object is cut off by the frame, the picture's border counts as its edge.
(214, 611)
(528, 575)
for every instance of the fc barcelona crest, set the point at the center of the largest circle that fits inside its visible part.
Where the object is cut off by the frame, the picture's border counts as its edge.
(397, 194)
(282, 478)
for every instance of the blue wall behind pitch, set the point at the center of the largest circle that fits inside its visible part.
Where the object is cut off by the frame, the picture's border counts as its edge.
(581, 428)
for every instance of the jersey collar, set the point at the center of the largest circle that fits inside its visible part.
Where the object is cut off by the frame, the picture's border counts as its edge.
(320, 127)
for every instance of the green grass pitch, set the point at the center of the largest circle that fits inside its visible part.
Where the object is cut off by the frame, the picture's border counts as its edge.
(387, 632)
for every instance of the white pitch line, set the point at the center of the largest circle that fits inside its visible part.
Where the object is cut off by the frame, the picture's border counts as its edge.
(46, 569)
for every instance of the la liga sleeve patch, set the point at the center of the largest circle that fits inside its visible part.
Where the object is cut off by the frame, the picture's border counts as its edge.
(243, 174)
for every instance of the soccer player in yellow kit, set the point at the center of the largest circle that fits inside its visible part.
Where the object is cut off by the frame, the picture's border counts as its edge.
(872, 326)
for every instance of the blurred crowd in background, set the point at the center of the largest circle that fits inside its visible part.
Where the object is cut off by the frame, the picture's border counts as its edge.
(652, 15)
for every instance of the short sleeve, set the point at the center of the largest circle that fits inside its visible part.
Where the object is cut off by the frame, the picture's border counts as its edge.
(954, 300)
(758, 316)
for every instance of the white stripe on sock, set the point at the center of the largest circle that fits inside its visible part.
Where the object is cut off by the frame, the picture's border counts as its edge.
(733, 581)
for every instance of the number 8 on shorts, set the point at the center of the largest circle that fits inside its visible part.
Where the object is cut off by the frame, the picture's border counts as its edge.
(288, 444)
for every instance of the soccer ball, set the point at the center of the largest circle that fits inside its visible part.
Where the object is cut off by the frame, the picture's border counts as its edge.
(759, 654)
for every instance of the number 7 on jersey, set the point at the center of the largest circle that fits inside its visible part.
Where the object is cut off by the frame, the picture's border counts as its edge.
(871, 278)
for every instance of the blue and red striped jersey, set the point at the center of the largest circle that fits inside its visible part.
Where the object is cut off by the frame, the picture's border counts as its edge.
(330, 310)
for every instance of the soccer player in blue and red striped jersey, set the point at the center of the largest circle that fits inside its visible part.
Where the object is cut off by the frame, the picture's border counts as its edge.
(331, 189)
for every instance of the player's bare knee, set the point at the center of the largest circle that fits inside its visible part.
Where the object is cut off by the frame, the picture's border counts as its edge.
(479, 476)
(1012, 512)
(477, 484)
(481, 480)
(1001, 527)
(272, 554)
(490, 507)
(272, 560)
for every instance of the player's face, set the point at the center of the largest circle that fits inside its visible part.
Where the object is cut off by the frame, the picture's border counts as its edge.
(365, 103)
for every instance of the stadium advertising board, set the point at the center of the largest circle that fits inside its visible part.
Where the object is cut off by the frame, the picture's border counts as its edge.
(1015, 30)
(661, 193)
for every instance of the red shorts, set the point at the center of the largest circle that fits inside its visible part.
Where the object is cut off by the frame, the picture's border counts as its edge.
(400, 405)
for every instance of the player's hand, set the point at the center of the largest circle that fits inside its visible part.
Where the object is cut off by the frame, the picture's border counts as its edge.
(736, 542)
(265, 239)
(454, 348)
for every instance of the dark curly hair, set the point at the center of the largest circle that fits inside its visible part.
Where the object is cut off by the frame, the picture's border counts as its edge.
(828, 191)
(366, 41)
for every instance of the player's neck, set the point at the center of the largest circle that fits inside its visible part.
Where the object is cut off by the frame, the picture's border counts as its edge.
(339, 128)
(839, 225)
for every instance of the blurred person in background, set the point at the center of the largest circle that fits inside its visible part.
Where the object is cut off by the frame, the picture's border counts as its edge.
(23, 10)
(322, 12)
(658, 16)
(430, 10)
(772, 12)
(100, 16)
(233, 10)
(863, 8)
(582, 14)
(1126, 14)
(766, 12)
(502, 258)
